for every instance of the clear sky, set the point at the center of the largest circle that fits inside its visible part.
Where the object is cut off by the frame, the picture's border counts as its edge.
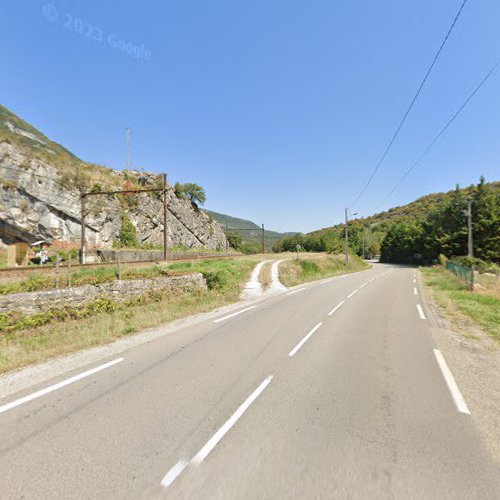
(279, 108)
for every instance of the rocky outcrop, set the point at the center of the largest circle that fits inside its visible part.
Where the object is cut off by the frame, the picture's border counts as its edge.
(38, 202)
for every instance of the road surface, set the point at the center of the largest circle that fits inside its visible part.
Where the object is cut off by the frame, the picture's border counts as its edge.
(332, 390)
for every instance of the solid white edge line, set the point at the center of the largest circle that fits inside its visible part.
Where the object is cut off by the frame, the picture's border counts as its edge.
(214, 440)
(59, 385)
(296, 291)
(336, 307)
(173, 473)
(414, 291)
(420, 311)
(450, 382)
(304, 340)
(363, 285)
(234, 314)
(351, 294)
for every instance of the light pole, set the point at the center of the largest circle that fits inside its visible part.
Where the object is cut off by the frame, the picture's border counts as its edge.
(347, 240)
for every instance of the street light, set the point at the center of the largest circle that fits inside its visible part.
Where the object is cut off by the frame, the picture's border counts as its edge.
(347, 240)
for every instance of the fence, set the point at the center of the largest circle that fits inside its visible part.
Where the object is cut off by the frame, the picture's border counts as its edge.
(466, 274)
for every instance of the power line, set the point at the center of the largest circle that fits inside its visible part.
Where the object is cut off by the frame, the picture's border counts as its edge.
(415, 97)
(443, 130)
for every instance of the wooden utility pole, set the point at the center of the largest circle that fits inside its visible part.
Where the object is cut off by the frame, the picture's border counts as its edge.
(263, 237)
(347, 240)
(82, 223)
(165, 218)
(69, 269)
(346, 243)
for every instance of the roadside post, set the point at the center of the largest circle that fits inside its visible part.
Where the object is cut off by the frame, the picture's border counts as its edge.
(298, 250)
(69, 269)
(56, 279)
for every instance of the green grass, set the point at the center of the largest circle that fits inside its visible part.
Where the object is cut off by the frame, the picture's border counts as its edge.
(66, 334)
(312, 268)
(483, 308)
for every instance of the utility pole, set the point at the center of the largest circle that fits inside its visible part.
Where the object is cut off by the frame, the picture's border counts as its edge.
(469, 225)
(127, 135)
(346, 243)
(82, 223)
(165, 218)
(363, 245)
(347, 240)
(263, 236)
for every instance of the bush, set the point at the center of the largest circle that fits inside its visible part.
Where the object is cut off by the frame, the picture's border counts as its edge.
(235, 240)
(479, 265)
(216, 280)
(249, 248)
(309, 266)
(442, 259)
(128, 233)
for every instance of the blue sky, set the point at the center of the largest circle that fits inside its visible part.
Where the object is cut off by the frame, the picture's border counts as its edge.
(280, 109)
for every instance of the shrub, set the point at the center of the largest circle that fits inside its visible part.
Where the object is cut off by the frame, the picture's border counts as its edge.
(216, 280)
(309, 266)
(442, 259)
(128, 233)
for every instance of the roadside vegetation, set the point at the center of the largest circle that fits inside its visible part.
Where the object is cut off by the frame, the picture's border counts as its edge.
(83, 276)
(316, 267)
(481, 306)
(27, 340)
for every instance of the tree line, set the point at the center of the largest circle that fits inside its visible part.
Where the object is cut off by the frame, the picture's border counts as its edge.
(418, 232)
(444, 229)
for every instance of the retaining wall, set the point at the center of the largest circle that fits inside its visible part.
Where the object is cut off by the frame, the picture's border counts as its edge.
(33, 302)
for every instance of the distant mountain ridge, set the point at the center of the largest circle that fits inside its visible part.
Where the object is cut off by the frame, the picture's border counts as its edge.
(249, 230)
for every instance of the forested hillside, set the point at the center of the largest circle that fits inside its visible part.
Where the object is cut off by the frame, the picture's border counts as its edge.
(427, 227)
(443, 230)
(245, 235)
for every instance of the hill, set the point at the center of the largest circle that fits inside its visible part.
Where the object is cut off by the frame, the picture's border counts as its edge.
(440, 215)
(249, 230)
(40, 187)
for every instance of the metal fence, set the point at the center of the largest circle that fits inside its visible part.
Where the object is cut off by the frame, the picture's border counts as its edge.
(466, 274)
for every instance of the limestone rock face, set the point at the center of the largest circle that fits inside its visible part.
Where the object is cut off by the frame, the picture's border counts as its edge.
(38, 202)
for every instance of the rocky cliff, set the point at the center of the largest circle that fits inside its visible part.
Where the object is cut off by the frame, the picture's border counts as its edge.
(40, 187)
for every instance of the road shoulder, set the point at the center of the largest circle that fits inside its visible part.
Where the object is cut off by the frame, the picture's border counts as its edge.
(474, 359)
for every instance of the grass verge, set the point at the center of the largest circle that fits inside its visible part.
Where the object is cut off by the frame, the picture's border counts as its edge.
(295, 272)
(31, 345)
(482, 308)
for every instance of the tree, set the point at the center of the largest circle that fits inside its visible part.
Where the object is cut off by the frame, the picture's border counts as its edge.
(401, 243)
(128, 233)
(235, 240)
(486, 221)
(195, 193)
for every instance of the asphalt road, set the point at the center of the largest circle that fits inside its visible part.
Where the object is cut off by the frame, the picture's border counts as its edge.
(293, 398)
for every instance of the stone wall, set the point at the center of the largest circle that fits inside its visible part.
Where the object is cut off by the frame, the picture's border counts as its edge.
(34, 302)
(149, 255)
